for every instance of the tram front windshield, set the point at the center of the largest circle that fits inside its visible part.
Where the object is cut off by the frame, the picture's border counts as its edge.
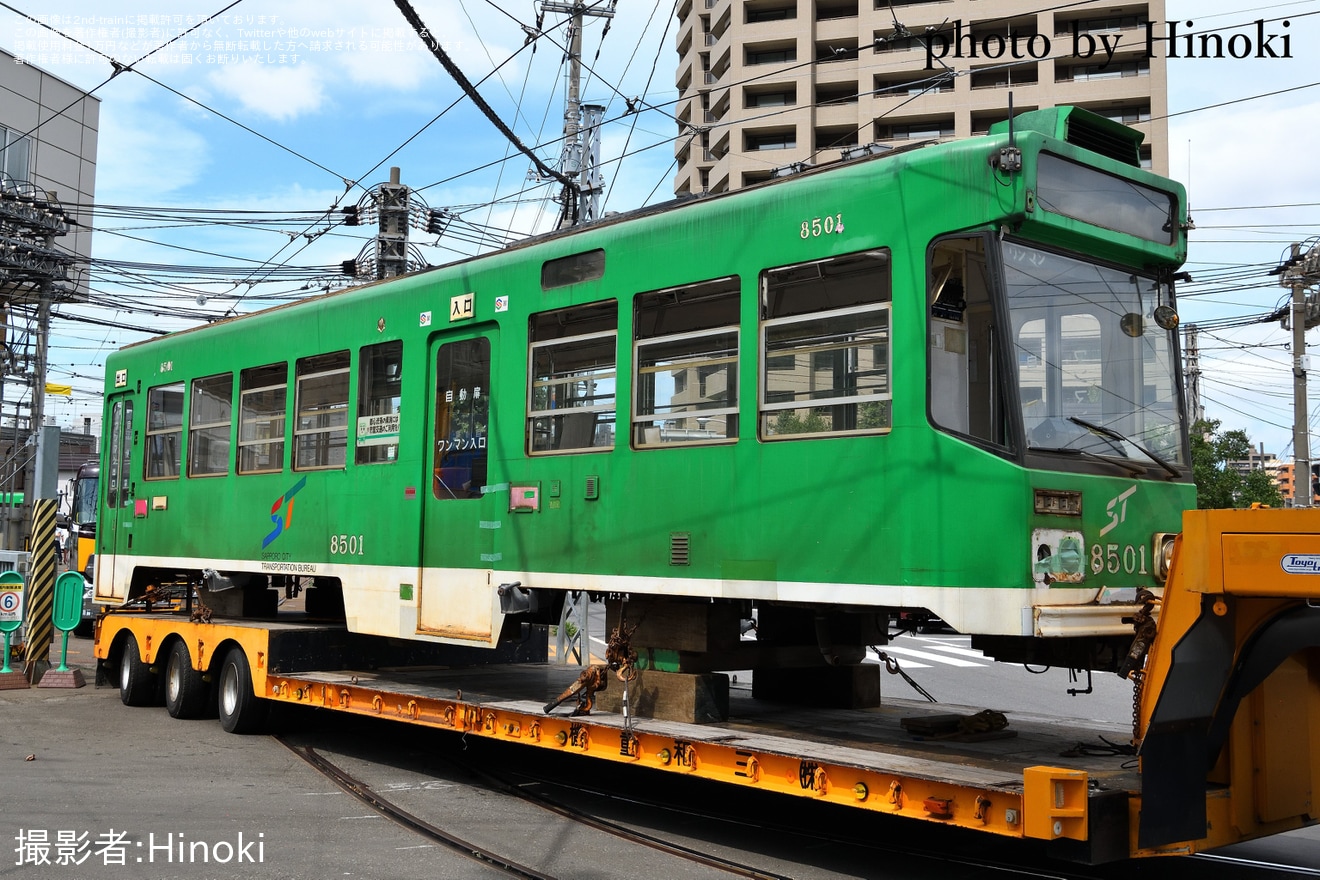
(1095, 374)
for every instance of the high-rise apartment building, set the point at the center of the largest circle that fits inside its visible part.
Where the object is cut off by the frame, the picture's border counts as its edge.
(765, 84)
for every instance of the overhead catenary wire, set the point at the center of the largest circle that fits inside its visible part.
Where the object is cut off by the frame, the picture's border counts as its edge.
(466, 85)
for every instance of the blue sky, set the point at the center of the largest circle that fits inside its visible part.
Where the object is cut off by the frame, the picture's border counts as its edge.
(334, 92)
(1247, 155)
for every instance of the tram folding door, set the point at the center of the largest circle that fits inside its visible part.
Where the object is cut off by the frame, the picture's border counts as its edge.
(462, 513)
(120, 487)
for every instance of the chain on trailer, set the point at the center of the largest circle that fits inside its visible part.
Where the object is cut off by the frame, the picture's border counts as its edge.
(620, 659)
(1133, 666)
(892, 667)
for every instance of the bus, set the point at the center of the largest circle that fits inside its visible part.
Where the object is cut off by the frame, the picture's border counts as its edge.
(81, 548)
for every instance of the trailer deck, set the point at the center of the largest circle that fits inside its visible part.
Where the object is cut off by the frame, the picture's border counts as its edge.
(871, 758)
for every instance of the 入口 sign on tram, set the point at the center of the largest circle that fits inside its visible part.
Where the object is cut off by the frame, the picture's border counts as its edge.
(462, 307)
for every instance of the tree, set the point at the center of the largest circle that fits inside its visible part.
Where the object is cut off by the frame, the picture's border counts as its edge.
(789, 422)
(1217, 484)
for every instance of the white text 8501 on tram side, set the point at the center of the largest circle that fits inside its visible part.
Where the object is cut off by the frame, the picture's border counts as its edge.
(346, 545)
(830, 224)
(1115, 558)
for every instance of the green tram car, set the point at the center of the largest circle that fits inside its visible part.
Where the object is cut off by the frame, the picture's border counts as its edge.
(940, 380)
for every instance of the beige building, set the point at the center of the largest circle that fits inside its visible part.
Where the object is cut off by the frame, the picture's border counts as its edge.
(765, 84)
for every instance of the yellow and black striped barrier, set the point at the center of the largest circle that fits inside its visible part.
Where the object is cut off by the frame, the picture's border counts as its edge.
(40, 589)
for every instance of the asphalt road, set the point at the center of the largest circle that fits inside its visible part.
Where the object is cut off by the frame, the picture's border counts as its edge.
(123, 788)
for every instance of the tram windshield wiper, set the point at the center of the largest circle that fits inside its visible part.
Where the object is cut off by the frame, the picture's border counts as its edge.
(1115, 435)
(1130, 469)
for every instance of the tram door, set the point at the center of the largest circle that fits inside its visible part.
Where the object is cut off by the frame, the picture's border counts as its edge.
(460, 520)
(115, 531)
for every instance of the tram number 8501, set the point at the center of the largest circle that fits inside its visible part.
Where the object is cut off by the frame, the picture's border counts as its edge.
(1115, 558)
(346, 545)
(831, 224)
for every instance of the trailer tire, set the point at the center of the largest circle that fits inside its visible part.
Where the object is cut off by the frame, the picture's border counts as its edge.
(185, 691)
(241, 710)
(137, 686)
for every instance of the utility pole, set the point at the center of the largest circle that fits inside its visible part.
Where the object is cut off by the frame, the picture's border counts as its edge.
(1302, 270)
(1193, 375)
(34, 274)
(579, 161)
(591, 183)
(392, 234)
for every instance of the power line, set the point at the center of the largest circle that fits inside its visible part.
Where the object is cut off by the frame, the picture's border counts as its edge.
(466, 85)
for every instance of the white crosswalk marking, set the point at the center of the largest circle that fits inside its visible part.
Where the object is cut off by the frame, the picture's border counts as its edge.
(954, 649)
(927, 655)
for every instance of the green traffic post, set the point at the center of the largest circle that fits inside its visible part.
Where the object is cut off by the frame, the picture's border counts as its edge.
(11, 609)
(67, 613)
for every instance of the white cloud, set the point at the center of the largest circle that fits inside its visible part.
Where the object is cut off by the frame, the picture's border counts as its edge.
(278, 92)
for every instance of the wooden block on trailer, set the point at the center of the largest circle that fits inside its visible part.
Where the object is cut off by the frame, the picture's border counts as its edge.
(678, 626)
(931, 725)
(835, 687)
(670, 696)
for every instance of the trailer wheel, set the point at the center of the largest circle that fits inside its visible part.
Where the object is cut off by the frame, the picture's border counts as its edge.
(137, 686)
(241, 710)
(185, 691)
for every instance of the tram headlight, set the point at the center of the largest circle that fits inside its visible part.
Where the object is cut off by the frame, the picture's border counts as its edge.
(1163, 555)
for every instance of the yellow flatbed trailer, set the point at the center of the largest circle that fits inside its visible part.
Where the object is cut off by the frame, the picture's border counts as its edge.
(1229, 716)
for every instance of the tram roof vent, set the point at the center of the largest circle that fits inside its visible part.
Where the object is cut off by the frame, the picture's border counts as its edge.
(1083, 128)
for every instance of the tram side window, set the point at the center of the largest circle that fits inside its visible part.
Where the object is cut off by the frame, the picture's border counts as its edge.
(825, 347)
(380, 373)
(262, 392)
(967, 393)
(210, 416)
(570, 395)
(164, 431)
(320, 433)
(462, 418)
(686, 364)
